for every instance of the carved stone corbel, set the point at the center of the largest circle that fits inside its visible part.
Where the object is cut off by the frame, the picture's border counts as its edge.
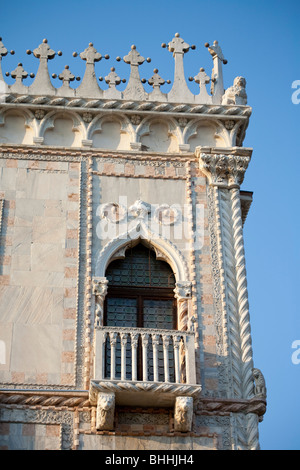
(183, 414)
(105, 411)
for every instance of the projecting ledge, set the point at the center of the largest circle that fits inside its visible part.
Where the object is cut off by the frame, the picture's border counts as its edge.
(128, 393)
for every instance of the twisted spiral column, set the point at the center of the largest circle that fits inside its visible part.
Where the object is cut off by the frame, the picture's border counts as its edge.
(242, 295)
(88, 281)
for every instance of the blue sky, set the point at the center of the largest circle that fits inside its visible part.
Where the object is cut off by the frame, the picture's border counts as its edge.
(261, 41)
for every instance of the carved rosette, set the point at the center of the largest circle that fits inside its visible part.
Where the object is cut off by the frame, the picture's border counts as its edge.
(100, 291)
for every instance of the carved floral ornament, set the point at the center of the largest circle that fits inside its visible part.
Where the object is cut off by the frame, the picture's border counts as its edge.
(224, 170)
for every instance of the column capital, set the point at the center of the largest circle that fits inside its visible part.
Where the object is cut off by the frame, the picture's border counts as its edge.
(224, 170)
(183, 290)
(100, 286)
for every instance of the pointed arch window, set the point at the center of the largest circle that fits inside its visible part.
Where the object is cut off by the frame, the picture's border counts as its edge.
(140, 295)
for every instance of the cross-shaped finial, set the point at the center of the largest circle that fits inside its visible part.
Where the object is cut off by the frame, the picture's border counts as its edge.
(156, 81)
(178, 45)
(19, 74)
(216, 51)
(3, 50)
(134, 58)
(3, 53)
(89, 86)
(217, 72)
(66, 76)
(202, 78)
(43, 51)
(112, 79)
(134, 89)
(180, 91)
(42, 83)
(90, 54)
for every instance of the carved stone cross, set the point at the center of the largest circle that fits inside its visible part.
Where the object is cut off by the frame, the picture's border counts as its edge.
(19, 74)
(3, 50)
(90, 54)
(178, 45)
(134, 89)
(112, 78)
(180, 91)
(217, 73)
(42, 84)
(3, 53)
(66, 76)
(202, 78)
(89, 87)
(133, 57)
(43, 51)
(156, 81)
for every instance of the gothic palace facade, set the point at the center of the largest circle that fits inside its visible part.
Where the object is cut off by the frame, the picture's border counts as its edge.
(124, 315)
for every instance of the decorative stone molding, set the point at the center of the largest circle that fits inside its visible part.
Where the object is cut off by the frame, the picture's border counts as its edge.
(143, 393)
(183, 414)
(82, 400)
(140, 231)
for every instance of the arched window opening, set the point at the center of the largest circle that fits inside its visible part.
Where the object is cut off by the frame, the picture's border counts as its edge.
(140, 295)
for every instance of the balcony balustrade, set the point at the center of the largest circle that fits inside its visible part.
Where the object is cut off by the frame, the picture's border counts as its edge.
(149, 355)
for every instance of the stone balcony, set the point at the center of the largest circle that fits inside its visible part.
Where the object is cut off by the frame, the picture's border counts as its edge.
(143, 367)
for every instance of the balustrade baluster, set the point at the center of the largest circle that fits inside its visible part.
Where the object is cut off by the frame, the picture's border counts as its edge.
(123, 337)
(166, 342)
(134, 345)
(113, 341)
(145, 340)
(155, 344)
(176, 343)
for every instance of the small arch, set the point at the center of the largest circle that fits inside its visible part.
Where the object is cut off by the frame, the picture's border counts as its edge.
(204, 133)
(159, 135)
(111, 132)
(17, 127)
(62, 129)
(139, 233)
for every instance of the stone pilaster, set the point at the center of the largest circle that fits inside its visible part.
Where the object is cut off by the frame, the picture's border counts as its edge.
(225, 173)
